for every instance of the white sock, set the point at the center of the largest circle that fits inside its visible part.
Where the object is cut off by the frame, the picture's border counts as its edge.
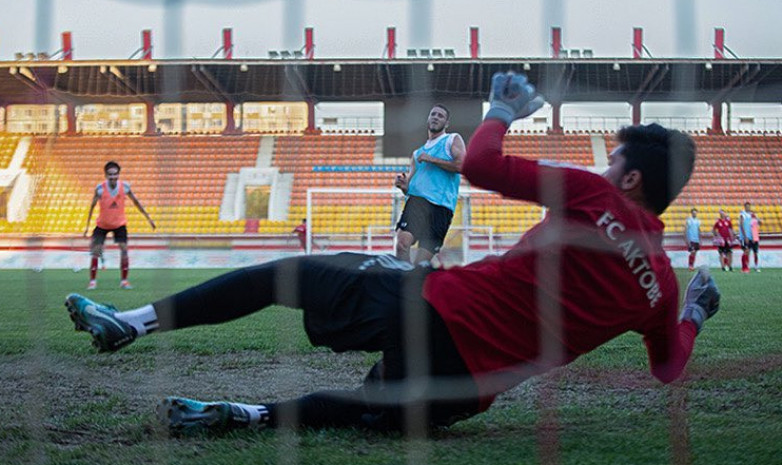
(259, 414)
(144, 319)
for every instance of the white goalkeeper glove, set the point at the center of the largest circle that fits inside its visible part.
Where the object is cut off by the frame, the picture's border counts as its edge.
(701, 300)
(512, 97)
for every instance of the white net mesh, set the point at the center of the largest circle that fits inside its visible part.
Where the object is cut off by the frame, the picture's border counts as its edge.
(105, 399)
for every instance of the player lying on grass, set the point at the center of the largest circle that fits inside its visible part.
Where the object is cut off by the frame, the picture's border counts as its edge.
(451, 340)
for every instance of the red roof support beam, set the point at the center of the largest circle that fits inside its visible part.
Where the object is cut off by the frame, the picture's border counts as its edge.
(70, 119)
(636, 106)
(556, 117)
(311, 116)
(151, 125)
(391, 42)
(228, 43)
(230, 121)
(556, 41)
(716, 118)
(638, 43)
(146, 44)
(475, 46)
(67, 46)
(309, 43)
(719, 43)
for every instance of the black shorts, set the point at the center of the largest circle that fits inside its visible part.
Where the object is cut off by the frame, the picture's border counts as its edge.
(427, 222)
(374, 302)
(99, 235)
(693, 246)
(725, 249)
(360, 302)
(752, 245)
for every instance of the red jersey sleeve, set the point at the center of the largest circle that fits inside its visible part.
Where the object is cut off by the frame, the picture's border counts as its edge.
(669, 345)
(485, 166)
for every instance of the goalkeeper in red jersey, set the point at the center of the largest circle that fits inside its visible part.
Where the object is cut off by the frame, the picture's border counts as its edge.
(451, 340)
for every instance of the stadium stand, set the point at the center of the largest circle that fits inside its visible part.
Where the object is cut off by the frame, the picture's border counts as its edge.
(511, 216)
(180, 180)
(339, 161)
(729, 171)
(575, 149)
(8, 143)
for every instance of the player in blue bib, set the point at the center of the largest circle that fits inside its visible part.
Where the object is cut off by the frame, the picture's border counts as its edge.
(692, 235)
(432, 187)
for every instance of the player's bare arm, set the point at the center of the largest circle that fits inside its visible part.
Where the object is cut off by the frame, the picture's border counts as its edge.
(141, 209)
(95, 199)
(402, 180)
(457, 156)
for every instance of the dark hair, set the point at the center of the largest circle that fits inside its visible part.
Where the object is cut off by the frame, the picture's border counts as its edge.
(747, 203)
(694, 210)
(665, 158)
(111, 164)
(447, 111)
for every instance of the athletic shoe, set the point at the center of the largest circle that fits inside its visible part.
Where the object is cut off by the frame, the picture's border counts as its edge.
(757, 269)
(108, 332)
(92, 285)
(186, 417)
(125, 284)
(691, 269)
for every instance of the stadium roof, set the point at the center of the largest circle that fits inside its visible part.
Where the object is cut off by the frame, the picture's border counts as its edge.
(563, 80)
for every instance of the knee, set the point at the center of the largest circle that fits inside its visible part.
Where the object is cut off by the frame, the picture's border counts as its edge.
(404, 240)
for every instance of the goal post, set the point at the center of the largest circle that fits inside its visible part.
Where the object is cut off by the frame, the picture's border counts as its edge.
(364, 219)
(348, 210)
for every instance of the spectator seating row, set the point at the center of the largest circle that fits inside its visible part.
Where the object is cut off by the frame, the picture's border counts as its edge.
(180, 178)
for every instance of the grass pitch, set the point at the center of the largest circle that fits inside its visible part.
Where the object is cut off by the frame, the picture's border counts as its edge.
(63, 403)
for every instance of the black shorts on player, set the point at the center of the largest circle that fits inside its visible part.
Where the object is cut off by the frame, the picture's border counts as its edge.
(99, 235)
(725, 249)
(693, 246)
(427, 222)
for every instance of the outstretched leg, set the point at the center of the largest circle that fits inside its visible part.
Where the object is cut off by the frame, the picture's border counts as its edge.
(325, 409)
(386, 401)
(331, 290)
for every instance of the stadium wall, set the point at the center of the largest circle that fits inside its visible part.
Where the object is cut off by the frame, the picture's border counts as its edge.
(242, 250)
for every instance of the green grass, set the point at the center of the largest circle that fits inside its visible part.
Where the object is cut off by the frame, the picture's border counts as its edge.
(64, 404)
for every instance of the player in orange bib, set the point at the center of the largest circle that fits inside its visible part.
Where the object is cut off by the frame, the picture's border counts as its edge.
(111, 195)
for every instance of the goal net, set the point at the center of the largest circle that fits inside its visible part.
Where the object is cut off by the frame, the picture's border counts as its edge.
(365, 219)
